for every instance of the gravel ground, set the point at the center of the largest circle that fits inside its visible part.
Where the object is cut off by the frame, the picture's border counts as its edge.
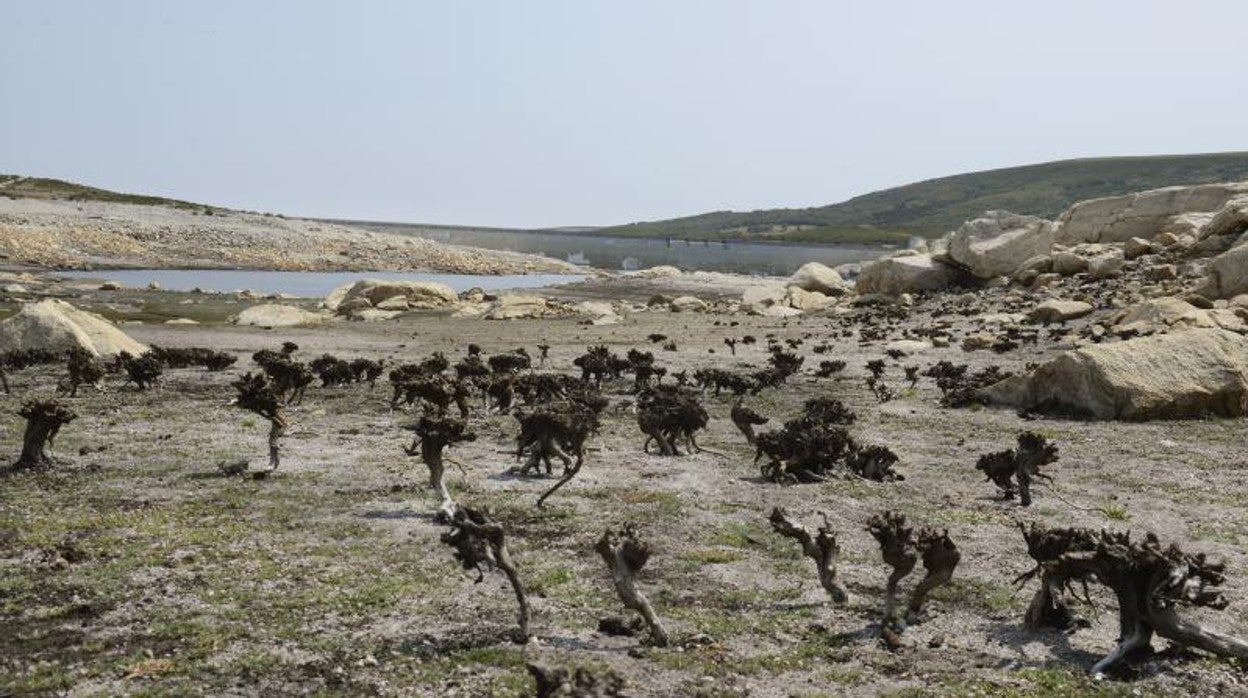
(138, 569)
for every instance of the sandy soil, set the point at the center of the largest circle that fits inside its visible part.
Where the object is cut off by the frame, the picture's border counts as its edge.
(85, 234)
(138, 569)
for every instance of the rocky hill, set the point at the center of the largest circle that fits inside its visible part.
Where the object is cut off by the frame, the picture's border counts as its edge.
(934, 207)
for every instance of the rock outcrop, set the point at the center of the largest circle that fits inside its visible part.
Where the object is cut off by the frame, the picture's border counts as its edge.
(1143, 214)
(1167, 314)
(1170, 376)
(999, 243)
(58, 326)
(389, 295)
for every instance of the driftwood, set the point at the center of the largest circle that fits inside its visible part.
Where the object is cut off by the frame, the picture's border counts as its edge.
(433, 435)
(1150, 581)
(821, 547)
(625, 556)
(481, 544)
(44, 419)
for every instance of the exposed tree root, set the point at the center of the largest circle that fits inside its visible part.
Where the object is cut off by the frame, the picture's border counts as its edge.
(625, 556)
(481, 544)
(821, 547)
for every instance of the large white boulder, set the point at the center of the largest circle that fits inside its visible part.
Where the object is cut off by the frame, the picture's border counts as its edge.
(1059, 311)
(759, 297)
(1142, 214)
(277, 315)
(998, 243)
(687, 304)
(1168, 376)
(58, 326)
(813, 276)
(905, 274)
(805, 301)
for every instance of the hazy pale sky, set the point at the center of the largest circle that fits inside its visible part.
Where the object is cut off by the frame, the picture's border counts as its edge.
(542, 113)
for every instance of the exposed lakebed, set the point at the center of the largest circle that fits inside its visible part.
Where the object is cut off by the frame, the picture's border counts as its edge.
(308, 284)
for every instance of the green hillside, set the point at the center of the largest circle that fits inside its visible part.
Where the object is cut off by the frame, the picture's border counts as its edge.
(932, 207)
(18, 187)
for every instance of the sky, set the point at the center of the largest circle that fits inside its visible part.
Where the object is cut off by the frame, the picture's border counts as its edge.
(587, 112)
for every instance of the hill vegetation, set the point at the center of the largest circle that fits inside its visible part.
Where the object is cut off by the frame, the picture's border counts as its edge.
(935, 206)
(18, 187)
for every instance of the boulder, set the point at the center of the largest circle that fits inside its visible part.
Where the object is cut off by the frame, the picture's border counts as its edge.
(780, 311)
(1160, 315)
(759, 297)
(905, 274)
(813, 276)
(514, 306)
(1231, 219)
(1142, 214)
(999, 243)
(1168, 376)
(276, 315)
(805, 301)
(908, 346)
(1162, 272)
(112, 286)
(597, 312)
(58, 326)
(1106, 265)
(1137, 247)
(686, 304)
(1059, 311)
(1227, 274)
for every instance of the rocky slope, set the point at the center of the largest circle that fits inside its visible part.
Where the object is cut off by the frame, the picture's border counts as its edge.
(79, 234)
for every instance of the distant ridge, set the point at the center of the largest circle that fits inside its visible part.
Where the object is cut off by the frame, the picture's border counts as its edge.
(932, 207)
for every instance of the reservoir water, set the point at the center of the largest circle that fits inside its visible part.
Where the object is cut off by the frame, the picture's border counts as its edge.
(623, 253)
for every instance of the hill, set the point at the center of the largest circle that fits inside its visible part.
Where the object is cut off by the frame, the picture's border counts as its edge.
(935, 206)
(18, 187)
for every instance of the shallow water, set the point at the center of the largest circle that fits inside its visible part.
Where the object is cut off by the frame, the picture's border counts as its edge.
(308, 284)
(620, 253)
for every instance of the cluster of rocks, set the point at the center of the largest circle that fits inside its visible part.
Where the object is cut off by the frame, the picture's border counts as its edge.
(1097, 239)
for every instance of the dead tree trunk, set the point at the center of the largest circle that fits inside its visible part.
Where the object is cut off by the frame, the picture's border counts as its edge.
(256, 394)
(822, 548)
(433, 435)
(480, 544)
(745, 420)
(624, 560)
(1149, 581)
(44, 419)
(897, 547)
(940, 558)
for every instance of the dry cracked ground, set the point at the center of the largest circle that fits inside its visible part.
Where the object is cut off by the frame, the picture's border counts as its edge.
(133, 567)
